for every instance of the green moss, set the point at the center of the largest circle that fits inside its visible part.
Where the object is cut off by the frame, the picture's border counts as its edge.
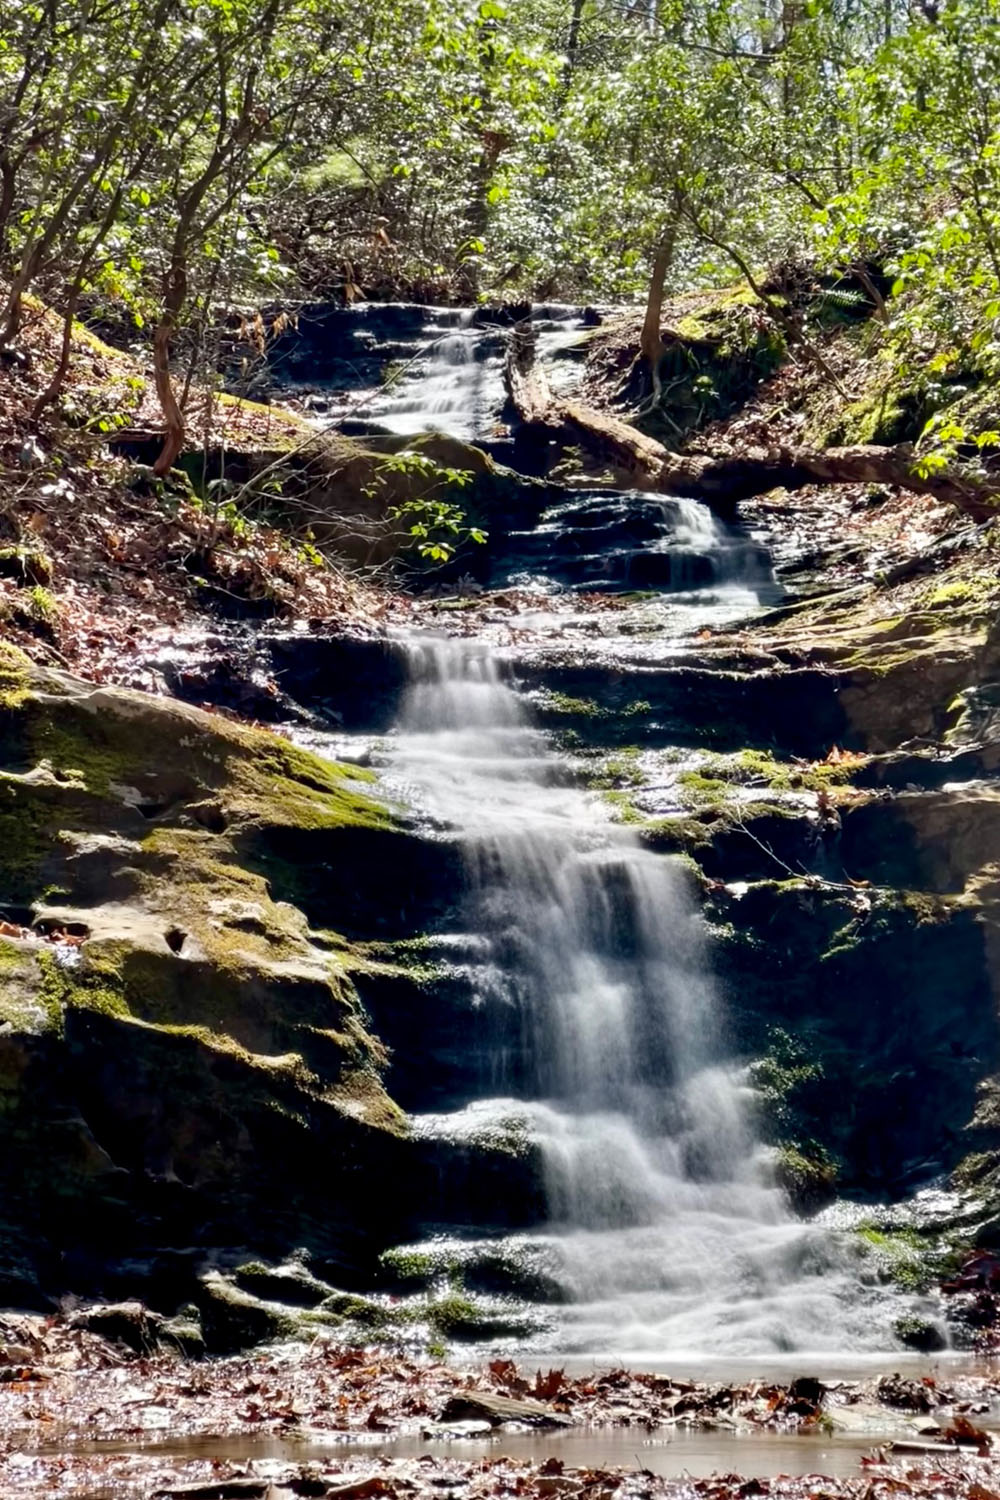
(625, 810)
(903, 1256)
(62, 987)
(926, 907)
(291, 786)
(622, 769)
(409, 1268)
(27, 565)
(698, 790)
(975, 591)
(364, 1312)
(783, 1070)
(28, 821)
(27, 1002)
(12, 955)
(807, 1172)
(111, 744)
(562, 703)
(15, 676)
(452, 1316)
(716, 774)
(901, 1242)
(41, 605)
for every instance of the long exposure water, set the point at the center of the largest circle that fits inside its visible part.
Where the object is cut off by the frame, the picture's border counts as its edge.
(668, 1231)
(670, 1235)
(454, 381)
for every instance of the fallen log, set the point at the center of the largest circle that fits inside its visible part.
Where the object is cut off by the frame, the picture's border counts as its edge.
(723, 481)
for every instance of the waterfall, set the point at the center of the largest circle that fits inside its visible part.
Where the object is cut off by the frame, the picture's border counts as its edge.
(449, 370)
(669, 1230)
(442, 397)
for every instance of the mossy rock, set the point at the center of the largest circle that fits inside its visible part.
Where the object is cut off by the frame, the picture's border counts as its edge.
(291, 1283)
(807, 1174)
(344, 492)
(510, 1267)
(852, 1002)
(232, 1319)
(195, 1054)
(462, 1319)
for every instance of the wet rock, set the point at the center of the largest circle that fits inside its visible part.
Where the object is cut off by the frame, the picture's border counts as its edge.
(232, 1319)
(919, 1333)
(128, 1323)
(807, 1388)
(910, 1395)
(509, 1267)
(352, 680)
(234, 682)
(469, 1429)
(237, 1487)
(637, 703)
(857, 1050)
(195, 1058)
(496, 1409)
(291, 1283)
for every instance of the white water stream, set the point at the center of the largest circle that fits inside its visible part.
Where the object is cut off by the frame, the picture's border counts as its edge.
(672, 1239)
(670, 1236)
(455, 385)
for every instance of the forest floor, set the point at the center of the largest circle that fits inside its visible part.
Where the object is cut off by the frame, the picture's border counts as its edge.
(80, 1416)
(96, 557)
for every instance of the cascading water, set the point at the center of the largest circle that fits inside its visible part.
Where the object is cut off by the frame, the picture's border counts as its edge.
(603, 1045)
(449, 369)
(669, 1236)
(442, 397)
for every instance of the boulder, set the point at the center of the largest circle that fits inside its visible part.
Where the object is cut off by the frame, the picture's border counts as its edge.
(183, 1058)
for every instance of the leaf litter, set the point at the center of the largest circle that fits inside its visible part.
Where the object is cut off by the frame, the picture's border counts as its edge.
(83, 1417)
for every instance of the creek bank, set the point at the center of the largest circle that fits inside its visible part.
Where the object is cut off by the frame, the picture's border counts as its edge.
(87, 1366)
(483, 1478)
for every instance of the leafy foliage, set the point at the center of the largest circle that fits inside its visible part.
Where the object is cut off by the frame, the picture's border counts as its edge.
(162, 162)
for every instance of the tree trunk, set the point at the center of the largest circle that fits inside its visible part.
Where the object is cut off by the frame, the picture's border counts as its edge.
(723, 482)
(572, 44)
(650, 342)
(175, 291)
(55, 385)
(172, 415)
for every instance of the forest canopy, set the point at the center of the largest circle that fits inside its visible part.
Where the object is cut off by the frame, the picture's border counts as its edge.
(161, 160)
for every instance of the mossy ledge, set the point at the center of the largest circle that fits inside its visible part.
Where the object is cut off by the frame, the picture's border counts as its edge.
(178, 1045)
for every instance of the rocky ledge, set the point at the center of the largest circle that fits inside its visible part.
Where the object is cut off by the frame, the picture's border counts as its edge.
(186, 1069)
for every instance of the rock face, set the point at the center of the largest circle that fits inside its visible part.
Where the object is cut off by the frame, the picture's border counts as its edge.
(183, 1058)
(213, 1012)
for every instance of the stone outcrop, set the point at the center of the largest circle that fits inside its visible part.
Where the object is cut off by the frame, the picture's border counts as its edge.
(183, 1058)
